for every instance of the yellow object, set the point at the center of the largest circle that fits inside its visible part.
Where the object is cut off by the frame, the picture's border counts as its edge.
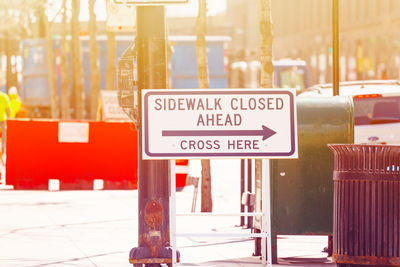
(4, 106)
(15, 101)
(15, 105)
(361, 64)
(369, 65)
(98, 114)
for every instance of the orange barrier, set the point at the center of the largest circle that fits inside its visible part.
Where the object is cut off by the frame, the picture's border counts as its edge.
(35, 154)
(181, 172)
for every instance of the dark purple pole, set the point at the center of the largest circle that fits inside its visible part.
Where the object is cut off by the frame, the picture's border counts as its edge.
(242, 174)
(335, 46)
(153, 174)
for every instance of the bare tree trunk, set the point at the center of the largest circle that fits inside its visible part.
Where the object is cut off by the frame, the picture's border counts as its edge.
(267, 74)
(11, 50)
(170, 52)
(94, 66)
(111, 60)
(65, 112)
(77, 75)
(201, 51)
(9, 79)
(267, 69)
(110, 82)
(51, 72)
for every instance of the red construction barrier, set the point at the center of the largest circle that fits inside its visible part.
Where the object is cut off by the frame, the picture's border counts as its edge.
(181, 172)
(35, 155)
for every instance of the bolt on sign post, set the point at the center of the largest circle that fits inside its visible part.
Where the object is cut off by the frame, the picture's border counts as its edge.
(153, 248)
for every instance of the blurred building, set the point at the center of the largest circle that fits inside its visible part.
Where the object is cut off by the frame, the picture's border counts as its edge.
(369, 35)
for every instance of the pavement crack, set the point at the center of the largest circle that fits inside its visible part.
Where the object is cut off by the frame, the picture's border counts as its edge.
(78, 259)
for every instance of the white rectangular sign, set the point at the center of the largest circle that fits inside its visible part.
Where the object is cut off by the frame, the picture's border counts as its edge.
(110, 109)
(73, 132)
(120, 18)
(219, 123)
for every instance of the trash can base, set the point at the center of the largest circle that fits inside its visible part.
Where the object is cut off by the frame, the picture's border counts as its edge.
(365, 260)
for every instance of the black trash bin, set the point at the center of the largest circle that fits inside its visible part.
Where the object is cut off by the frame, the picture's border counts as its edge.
(366, 222)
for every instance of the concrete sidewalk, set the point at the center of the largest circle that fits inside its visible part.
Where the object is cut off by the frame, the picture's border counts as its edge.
(98, 228)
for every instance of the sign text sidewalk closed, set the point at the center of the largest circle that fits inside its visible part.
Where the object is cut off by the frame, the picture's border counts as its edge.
(219, 123)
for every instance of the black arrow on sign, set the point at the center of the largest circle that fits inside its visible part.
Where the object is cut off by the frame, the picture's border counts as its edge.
(265, 132)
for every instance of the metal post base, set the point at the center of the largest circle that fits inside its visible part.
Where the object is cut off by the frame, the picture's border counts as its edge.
(141, 255)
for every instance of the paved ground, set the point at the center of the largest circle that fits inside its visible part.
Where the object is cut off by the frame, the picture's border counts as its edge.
(98, 228)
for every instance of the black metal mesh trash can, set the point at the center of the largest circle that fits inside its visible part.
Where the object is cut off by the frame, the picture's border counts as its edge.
(366, 226)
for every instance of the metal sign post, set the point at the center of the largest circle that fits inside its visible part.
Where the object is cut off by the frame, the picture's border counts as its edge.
(151, 56)
(173, 210)
(266, 251)
(153, 174)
